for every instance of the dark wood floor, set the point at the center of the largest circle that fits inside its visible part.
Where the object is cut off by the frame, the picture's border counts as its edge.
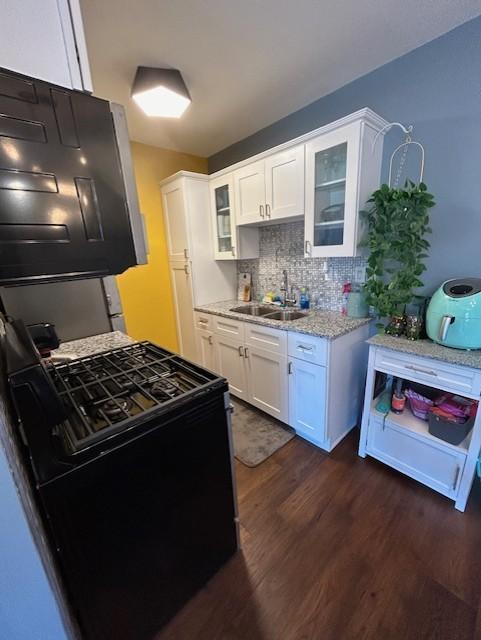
(337, 547)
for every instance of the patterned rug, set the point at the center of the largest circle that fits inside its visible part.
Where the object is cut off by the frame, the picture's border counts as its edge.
(256, 435)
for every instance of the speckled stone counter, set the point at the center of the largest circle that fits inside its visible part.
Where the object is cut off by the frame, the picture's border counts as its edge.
(93, 344)
(429, 349)
(325, 324)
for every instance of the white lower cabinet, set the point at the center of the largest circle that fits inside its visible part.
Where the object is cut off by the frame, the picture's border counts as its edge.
(307, 399)
(267, 381)
(230, 359)
(206, 350)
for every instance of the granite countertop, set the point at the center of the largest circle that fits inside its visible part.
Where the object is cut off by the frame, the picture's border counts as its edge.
(325, 324)
(429, 349)
(93, 344)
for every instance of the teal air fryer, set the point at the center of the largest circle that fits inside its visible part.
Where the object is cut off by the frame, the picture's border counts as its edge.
(453, 317)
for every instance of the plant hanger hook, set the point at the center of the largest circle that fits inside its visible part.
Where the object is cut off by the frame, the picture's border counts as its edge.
(404, 146)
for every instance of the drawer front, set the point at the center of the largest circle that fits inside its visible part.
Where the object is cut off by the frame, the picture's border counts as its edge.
(431, 372)
(440, 469)
(308, 348)
(228, 327)
(272, 340)
(203, 321)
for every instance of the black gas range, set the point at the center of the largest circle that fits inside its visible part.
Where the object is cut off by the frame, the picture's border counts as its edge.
(131, 458)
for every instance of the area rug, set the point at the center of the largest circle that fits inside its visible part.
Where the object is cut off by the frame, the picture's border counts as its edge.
(256, 435)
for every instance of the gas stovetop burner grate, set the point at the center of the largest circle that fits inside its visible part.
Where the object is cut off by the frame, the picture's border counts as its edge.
(104, 393)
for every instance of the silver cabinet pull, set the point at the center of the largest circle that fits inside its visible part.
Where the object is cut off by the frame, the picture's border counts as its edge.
(301, 347)
(456, 476)
(261, 210)
(233, 251)
(289, 368)
(210, 339)
(246, 352)
(203, 321)
(186, 254)
(428, 372)
(268, 210)
(241, 351)
(186, 269)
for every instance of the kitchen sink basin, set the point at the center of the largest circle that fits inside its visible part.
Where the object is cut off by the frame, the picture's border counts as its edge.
(253, 310)
(286, 314)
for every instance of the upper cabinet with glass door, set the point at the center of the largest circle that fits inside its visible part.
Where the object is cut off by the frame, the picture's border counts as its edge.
(342, 169)
(230, 242)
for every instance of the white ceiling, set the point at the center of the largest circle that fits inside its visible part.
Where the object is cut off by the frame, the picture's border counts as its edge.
(248, 63)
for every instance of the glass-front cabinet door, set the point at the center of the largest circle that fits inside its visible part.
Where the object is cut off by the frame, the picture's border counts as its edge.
(332, 171)
(223, 217)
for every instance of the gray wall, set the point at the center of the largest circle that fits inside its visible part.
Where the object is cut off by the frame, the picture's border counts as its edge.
(437, 88)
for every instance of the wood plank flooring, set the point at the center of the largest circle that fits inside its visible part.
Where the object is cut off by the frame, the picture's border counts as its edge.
(337, 547)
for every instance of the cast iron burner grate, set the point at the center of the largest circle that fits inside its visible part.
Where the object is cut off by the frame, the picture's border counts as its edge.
(105, 393)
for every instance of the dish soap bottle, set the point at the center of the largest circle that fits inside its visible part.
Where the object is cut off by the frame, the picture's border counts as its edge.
(304, 298)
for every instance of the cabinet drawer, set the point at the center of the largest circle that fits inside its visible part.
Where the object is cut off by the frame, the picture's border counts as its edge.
(272, 340)
(228, 327)
(203, 321)
(440, 469)
(429, 371)
(308, 348)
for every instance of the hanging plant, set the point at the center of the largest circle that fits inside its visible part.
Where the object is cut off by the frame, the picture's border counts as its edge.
(397, 221)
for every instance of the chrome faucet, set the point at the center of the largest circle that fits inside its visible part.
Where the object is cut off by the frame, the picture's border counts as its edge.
(286, 301)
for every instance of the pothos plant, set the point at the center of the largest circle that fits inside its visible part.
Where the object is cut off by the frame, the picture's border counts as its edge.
(397, 221)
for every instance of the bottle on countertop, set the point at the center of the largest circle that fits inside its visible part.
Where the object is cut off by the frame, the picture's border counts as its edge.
(398, 401)
(304, 298)
(346, 290)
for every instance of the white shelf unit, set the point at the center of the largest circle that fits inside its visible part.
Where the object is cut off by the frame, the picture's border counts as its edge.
(403, 441)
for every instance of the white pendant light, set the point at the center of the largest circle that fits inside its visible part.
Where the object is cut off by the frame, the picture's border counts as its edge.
(160, 92)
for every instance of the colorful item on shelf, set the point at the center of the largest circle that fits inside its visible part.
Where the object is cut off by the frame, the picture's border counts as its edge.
(244, 287)
(419, 404)
(414, 325)
(398, 401)
(346, 290)
(396, 326)
(304, 298)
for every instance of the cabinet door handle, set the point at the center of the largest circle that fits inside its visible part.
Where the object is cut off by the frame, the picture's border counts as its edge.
(429, 372)
(241, 351)
(186, 254)
(289, 368)
(456, 476)
(303, 348)
(268, 210)
(246, 352)
(186, 269)
(203, 321)
(211, 340)
(261, 210)
(233, 251)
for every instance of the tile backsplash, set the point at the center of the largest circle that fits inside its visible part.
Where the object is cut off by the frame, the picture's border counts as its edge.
(282, 247)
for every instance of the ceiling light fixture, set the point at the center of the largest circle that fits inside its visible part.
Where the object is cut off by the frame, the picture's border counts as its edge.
(160, 92)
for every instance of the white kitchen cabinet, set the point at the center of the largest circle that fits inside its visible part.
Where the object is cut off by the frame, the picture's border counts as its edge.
(250, 193)
(231, 242)
(45, 40)
(267, 381)
(206, 350)
(307, 399)
(181, 279)
(185, 205)
(271, 189)
(284, 175)
(342, 170)
(230, 361)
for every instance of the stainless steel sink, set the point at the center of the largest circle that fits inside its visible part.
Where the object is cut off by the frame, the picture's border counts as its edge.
(286, 314)
(253, 310)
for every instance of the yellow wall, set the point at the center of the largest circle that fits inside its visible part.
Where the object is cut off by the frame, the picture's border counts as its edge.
(145, 290)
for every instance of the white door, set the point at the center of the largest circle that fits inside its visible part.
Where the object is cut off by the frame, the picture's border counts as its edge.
(230, 360)
(332, 172)
(184, 309)
(250, 193)
(307, 399)
(285, 184)
(206, 351)
(175, 218)
(223, 217)
(267, 382)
